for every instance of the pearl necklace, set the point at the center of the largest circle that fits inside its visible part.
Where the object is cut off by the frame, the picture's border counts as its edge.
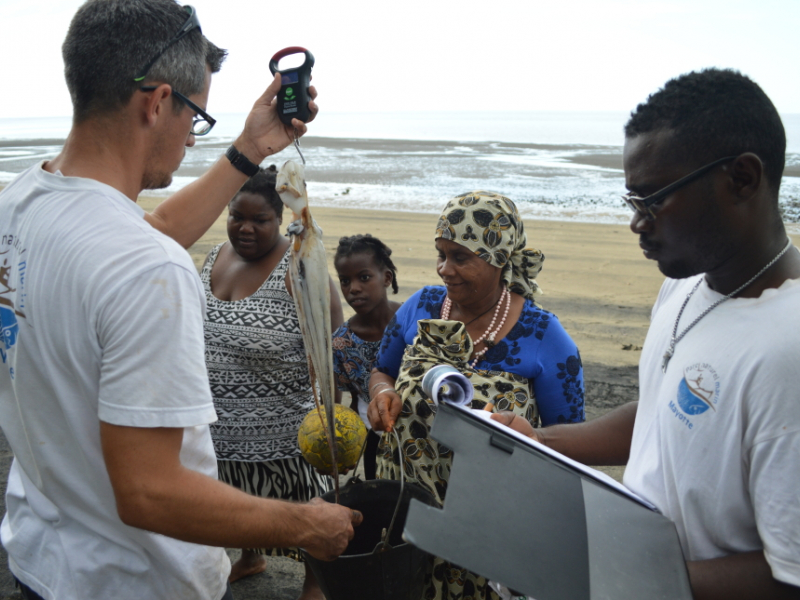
(488, 335)
(677, 338)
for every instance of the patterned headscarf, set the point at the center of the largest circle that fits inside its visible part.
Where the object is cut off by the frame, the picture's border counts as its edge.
(489, 224)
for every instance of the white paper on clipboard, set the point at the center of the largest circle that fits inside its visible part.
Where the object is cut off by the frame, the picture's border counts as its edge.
(588, 471)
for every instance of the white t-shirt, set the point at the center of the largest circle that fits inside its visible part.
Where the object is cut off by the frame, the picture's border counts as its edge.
(102, 319)
(716, 445)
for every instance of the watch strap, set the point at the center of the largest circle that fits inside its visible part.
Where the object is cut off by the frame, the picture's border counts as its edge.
(241, 162)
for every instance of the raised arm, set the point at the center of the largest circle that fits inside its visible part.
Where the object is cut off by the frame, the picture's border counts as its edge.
(188, 213)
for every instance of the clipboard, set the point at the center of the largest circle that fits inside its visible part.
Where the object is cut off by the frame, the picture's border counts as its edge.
(525, 516)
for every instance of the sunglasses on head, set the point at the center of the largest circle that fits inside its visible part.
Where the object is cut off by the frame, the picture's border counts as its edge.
(191, 23)
(203, 122)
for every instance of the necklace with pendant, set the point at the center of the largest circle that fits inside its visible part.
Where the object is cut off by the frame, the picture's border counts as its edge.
(677, 338)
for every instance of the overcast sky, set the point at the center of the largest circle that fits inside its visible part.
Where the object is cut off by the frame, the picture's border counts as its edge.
(413, 55)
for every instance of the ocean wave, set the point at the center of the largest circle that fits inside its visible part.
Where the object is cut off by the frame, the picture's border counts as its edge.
(555, 182)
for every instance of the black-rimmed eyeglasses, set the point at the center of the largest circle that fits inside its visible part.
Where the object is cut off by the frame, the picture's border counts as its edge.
(203, 122)
(645, 205)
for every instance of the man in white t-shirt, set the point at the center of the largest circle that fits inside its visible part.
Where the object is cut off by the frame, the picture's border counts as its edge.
(714, 441)
(104, 396)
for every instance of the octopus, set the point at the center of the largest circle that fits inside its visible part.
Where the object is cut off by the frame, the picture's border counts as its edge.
(308, 273)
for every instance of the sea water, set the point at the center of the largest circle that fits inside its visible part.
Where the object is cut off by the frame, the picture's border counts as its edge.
(554, 165)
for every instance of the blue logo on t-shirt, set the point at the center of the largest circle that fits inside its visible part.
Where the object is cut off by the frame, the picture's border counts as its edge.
(699, 389)
(9, 329)
(689, 402)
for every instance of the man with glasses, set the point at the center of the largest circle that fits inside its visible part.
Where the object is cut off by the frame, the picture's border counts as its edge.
(104, 396)
(714, 441)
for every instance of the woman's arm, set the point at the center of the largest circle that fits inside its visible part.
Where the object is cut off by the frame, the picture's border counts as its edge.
(385, 403)
(393, 345)
(188, 213)
(558, 384)
(337, 316)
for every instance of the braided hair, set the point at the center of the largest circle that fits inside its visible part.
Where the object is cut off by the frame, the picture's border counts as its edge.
(263, 184)
(366, 244)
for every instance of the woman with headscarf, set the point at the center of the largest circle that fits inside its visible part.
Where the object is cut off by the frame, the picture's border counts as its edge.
(483, 321)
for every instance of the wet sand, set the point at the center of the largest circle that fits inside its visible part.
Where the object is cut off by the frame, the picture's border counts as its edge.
(594, 278)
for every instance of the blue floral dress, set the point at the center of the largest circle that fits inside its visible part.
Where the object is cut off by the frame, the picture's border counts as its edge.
(353, 360)
(537, 348)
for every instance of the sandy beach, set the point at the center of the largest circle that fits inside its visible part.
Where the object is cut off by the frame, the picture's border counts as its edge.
(594, 278)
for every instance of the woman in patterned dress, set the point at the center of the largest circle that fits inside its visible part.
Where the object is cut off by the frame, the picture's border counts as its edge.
(483, 321)
(257, 363)
(365, 274)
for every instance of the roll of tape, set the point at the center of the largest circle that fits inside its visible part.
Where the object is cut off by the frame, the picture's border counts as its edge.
(444, 382)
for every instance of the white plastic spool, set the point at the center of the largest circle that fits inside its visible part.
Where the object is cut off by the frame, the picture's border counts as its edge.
(444, 382)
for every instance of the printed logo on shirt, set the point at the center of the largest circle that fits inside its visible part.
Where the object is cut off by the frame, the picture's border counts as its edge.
(698, 391)
(9, 327)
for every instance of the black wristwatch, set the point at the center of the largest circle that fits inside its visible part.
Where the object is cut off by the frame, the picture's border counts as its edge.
(241, 162)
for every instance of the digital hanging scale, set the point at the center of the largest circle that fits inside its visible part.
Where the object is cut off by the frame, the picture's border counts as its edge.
(293, 97)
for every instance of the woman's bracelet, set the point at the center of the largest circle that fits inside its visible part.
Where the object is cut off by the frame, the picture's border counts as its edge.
(381, 391)
(380, 383)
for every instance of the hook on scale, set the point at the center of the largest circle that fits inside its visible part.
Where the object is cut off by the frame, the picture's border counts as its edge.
(297, 147)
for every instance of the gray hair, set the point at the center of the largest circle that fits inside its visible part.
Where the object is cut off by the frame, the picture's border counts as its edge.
(110, 41)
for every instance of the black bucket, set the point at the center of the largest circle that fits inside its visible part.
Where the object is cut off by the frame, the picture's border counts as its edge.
(359, 573)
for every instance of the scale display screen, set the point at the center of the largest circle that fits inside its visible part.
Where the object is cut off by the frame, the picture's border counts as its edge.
(289, 78)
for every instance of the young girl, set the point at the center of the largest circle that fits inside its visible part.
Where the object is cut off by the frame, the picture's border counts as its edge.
(365, 273)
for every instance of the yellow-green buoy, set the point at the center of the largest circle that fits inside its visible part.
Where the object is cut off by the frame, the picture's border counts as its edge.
(350, 436)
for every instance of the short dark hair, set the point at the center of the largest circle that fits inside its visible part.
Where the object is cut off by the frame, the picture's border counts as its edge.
(366, 244)
(715, 113)
(110, 41)
(263, 184)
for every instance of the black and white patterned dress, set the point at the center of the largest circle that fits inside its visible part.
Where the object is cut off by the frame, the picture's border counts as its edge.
(259, 380)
